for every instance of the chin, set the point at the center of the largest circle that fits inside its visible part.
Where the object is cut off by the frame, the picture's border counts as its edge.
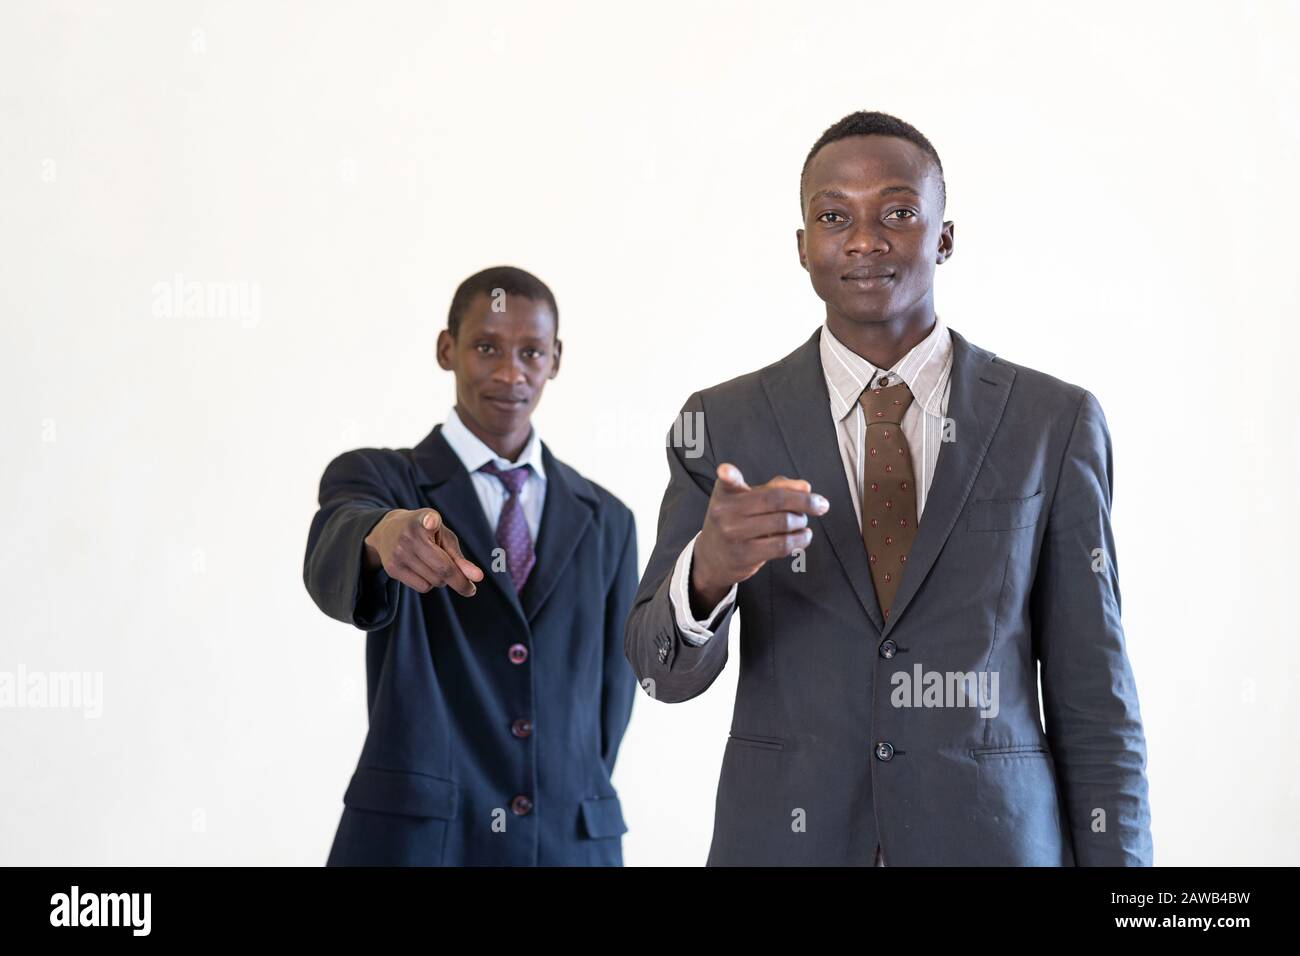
(855, 313)
(504, 420)
(500, 419)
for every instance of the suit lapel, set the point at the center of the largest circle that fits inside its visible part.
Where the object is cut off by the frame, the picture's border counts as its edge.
(796, 390)
(570, 502)
(978, 397)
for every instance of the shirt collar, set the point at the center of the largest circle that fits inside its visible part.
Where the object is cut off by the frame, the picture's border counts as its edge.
(474, 454)
(924, 368)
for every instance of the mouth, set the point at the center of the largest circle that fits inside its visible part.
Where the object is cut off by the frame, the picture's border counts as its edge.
(867, 278)
(506, 403)
(872, 284)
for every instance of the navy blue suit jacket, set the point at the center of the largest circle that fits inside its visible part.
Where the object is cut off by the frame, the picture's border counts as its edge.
(495, 720)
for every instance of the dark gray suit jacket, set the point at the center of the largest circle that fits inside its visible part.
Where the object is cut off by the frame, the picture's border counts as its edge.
(834, 746)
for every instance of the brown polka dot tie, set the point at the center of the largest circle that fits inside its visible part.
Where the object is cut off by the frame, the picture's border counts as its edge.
(888, 488)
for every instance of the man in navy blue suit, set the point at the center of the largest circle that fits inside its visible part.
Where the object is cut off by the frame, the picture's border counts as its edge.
(497, 685)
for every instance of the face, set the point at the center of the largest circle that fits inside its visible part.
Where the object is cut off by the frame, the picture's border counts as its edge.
(502, 360)
(873, 230)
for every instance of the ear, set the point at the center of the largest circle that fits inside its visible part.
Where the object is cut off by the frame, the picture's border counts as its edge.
(446, 345)
(803, 256)
(555, 361)
(945, 242)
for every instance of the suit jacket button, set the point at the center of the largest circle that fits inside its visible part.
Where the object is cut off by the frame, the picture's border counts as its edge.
(518, 653)
(888, 650)
(522, 727)
(521, 805)
(884, 750)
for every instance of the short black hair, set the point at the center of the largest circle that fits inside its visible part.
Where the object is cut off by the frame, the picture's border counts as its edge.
(863, 123)
(509, 280)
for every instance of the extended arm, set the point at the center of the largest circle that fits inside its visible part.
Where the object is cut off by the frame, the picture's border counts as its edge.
(353, 499)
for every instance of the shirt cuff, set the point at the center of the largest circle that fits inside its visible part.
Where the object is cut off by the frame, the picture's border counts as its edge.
(694, 631)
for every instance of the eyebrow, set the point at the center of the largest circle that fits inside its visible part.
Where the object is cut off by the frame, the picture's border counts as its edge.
(494, 335)
(837, 194)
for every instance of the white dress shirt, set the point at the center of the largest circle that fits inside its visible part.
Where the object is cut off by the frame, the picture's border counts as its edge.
(927, 370)
(492, 493)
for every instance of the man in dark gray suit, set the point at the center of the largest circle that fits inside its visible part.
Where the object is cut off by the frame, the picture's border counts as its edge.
(946, 536)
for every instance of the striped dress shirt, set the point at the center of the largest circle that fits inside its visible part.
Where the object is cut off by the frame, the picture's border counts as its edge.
(927, 370)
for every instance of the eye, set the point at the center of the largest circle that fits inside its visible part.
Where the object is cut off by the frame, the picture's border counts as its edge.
(532, 353)
(910, 214)
(484, 348)
(822, 217)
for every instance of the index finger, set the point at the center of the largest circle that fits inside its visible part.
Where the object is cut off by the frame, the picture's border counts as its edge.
(781, 481)
(776, 498)
(448, 541)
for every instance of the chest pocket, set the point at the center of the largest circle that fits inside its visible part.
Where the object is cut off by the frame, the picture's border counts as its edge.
(1004, 514)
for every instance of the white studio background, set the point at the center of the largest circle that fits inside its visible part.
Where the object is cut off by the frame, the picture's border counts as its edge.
(1122, 176)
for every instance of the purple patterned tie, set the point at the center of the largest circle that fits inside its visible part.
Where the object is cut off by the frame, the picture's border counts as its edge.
(512, 527)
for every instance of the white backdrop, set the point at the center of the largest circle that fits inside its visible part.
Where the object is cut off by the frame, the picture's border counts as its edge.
(1122, 177)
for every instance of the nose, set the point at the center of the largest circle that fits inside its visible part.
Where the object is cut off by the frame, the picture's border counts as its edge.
(866, 238)
(509, 371)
